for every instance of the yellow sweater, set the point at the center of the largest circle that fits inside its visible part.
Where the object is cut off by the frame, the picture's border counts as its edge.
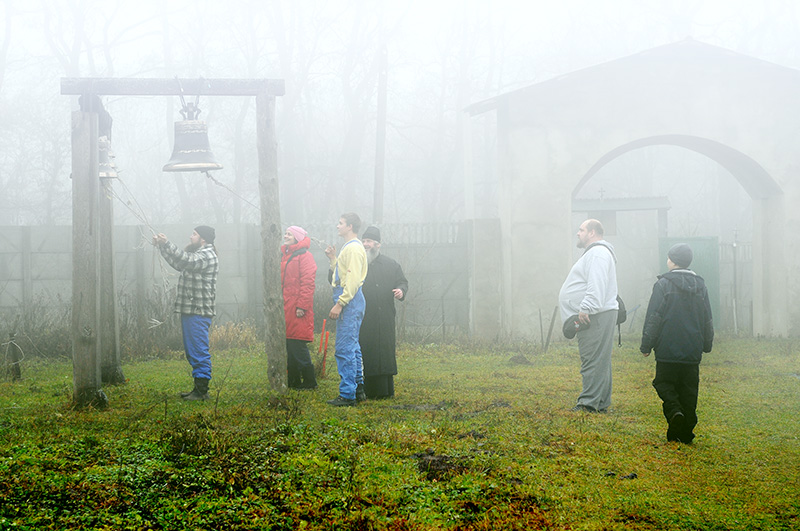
(351, 269)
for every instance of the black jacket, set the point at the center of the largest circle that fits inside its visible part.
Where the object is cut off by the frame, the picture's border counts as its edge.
(678, 325)
(377, 335)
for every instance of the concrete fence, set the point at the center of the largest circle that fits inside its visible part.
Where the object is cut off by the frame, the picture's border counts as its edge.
(36, 270)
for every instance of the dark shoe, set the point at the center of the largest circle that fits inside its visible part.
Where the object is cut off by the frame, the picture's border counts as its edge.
(677, 425)
(360, 394)
(309, 378)
(187, 393)
(340, 401)
(200, 391)
(584, 407)
(196, 395)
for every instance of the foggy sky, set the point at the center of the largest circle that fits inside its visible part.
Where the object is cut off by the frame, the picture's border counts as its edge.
(443, 56)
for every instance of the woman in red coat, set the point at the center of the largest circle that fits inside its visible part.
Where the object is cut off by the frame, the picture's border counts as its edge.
(298, 277)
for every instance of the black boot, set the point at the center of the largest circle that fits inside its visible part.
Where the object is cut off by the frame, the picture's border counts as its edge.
(361, 395)
(187, 393)
(309, 379)
(293, 378)
(200, 391)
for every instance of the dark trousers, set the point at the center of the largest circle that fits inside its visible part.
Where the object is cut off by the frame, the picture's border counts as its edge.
(676, 385)
(299, 365)
(380, 386)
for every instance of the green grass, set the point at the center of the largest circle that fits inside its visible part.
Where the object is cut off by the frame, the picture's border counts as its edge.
(472, 441)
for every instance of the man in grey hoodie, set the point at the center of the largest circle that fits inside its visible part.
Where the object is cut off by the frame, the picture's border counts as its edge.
(590, 292)
(679, 327)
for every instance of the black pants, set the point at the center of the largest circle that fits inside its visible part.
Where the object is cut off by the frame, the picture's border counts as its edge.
(381, 386)
(676, 385)
(299, 365)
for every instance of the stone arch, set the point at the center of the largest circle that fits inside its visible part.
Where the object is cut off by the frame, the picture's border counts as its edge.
(758, 183)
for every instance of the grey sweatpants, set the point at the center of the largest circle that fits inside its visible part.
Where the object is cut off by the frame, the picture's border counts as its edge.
(595, 344)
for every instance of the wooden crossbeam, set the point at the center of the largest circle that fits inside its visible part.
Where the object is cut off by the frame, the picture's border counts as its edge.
(171, 87)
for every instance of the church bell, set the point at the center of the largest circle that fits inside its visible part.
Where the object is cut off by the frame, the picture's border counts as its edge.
(192, 151)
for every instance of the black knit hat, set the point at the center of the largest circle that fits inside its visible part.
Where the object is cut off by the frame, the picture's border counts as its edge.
(680, 254)
(206, 232)
(372, 233)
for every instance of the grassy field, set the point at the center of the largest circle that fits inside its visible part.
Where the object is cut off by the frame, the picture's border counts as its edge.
(473, 440)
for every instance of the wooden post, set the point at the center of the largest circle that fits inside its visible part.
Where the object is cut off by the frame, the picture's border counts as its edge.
(142, 293)
(86, 378)
(110, 360)
(550, 330)
(271, 232)
(26, 244)
(253, 261)
(14, 356)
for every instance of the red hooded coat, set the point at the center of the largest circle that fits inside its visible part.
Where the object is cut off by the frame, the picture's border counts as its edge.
(298, 279)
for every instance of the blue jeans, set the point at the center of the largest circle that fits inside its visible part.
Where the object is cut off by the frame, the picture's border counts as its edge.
(195, 344)
(348, 350)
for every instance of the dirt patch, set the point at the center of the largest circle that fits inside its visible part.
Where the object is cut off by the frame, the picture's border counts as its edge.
(440, 467)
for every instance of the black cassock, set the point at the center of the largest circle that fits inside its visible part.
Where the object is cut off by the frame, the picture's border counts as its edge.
(377, 336)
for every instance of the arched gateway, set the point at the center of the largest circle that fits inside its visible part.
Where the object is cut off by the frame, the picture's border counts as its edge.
(742, 112)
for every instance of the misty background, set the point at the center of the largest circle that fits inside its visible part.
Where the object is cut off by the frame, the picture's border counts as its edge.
(442, 56)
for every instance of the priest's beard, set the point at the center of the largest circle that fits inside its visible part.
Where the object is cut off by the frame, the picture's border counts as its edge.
(192, 247)
(372, 254)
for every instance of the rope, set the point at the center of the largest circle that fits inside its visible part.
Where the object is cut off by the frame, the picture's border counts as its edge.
(218, 183)
(139, 214)
(321, 243)
(7, 344)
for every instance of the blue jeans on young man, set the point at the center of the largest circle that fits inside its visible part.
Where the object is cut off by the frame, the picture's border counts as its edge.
(195, 343)
(348, 350)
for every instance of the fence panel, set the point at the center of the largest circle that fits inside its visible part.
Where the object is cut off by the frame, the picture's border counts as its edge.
(36, 269)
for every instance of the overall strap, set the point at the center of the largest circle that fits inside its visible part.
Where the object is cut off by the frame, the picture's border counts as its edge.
(336, 267)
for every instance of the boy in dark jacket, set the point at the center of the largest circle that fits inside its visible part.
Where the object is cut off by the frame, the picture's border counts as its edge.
(679, 327)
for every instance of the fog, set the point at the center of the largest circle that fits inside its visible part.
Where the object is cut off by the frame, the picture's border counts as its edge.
(442, 57)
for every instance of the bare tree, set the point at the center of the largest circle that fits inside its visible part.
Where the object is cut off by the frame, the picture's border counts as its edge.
(6, 41)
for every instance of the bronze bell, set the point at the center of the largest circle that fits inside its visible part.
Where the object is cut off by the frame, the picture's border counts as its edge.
(192, 151)
(105, 159)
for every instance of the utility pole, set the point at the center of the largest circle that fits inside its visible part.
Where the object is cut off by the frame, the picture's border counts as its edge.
(735, 295)
(380, 143)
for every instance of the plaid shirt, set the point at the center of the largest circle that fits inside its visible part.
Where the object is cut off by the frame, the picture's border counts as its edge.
(197, 286)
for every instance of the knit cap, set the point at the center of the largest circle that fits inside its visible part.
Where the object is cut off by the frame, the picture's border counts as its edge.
(372, 233)
(680, 254)
(206, 232)
(298, 232)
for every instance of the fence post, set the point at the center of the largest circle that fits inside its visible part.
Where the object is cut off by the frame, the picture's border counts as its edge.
(27, 275)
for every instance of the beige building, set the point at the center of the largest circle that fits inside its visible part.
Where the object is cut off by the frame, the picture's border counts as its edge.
(552, 137)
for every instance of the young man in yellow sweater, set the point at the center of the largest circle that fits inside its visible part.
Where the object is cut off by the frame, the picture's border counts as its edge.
(348, 271)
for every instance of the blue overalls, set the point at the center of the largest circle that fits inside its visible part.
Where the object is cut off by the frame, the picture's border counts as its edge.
(195, 344)
(348, 350)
